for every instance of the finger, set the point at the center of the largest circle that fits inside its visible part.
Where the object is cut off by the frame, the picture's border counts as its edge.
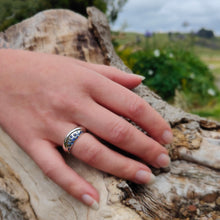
(88, 149)
(54, 166)
(124, 102)
(128, 80)
(91, 151)
(122, 134)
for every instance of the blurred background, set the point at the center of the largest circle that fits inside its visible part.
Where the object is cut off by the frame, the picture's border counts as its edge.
(174, 44)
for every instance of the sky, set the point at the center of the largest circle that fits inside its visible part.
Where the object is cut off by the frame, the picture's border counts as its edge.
(169, 15)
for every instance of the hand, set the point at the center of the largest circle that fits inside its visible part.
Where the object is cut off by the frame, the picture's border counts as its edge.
(46, 96)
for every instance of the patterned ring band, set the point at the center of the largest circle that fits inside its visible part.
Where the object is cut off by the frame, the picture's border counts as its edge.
(71, 138)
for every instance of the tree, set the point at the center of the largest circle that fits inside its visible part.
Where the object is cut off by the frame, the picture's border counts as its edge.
(113, 9)
(75, 5)
(204, 33)
(14, 11)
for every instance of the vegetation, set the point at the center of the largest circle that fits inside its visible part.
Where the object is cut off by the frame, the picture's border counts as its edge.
(14, 11)
(174, 67)
(205, 33)
(113, 8)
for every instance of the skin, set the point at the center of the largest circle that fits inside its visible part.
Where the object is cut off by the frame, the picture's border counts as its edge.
(45, 96)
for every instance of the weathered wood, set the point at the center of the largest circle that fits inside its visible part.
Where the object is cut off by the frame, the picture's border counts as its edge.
(189, 190)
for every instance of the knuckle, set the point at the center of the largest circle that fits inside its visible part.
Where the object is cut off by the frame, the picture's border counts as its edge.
(92, 155)
(150, 153)
(68, 103)
(118, 132)
(74, 106)
(72, 103)
(50, 170)
(113, 69)
(55, 99)
(136, 107)
(127, 170)
(112, 73)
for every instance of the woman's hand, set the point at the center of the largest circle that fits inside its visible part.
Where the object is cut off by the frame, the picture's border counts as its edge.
(43, 97)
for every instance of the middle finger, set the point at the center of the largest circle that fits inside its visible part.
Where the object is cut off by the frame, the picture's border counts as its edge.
(119, 132)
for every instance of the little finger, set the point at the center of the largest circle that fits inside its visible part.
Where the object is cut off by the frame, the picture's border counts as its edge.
(53, 165)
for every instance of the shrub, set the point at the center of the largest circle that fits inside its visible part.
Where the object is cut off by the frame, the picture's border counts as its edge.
(173, 68)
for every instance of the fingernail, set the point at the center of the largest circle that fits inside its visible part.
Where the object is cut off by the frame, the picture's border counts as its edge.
(163, 160)
(140, 76)
(143, 176)
(167, 137)
(89, 201)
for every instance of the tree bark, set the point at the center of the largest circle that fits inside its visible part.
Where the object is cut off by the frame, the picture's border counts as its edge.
(190, 189)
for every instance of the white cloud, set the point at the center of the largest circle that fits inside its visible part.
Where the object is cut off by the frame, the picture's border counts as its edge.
(163, 15)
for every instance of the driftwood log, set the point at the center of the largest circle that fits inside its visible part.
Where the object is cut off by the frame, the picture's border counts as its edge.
(190, 189)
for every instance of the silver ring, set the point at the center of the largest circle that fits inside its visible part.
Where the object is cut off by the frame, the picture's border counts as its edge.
(71, 137)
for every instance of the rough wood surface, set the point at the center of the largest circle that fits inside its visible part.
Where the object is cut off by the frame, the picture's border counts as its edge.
(190, 189)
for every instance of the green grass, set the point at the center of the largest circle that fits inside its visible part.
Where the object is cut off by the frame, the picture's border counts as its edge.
(212, 59)
(130, 39)
(209, 112)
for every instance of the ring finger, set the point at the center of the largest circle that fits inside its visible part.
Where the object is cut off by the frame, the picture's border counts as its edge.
(88, 149)
(94, 153)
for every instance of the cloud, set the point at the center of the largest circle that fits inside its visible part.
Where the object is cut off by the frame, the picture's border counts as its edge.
(163, 15)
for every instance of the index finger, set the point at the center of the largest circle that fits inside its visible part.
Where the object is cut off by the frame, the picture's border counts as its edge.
(126, 103)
